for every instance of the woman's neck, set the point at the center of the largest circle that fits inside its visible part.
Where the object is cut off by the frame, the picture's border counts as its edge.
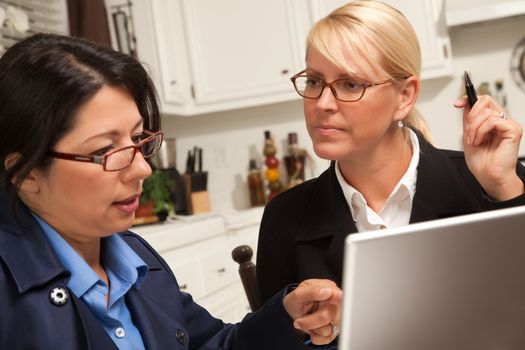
(376, 173)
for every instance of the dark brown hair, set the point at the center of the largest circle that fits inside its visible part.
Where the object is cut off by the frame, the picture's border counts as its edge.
(44, 79)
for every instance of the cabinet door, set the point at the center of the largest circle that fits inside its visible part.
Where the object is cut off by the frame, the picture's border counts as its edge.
(427, 18)
(244, 50)
(157, 27)
(172, 77)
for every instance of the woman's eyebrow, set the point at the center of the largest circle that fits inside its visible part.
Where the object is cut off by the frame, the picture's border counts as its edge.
(114, 133)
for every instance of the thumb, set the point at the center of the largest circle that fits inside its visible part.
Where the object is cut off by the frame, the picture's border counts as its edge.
(316, 293)
(461, 102)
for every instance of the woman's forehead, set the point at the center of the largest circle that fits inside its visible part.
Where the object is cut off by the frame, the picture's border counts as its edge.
(352, 62)
(110, 110)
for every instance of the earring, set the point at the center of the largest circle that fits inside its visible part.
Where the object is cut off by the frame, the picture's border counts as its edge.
(400, 124)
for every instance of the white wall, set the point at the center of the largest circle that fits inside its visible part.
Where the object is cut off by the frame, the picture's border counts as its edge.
(230, 138)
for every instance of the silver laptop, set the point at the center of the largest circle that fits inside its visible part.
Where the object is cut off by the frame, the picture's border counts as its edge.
(455, 283)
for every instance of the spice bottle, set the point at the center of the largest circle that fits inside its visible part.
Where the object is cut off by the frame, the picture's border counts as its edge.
(272, 163)
(256, 185)
(294, 161)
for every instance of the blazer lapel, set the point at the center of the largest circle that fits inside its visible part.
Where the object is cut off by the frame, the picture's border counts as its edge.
(327, 217)
(328, 213)
(95, 335)
(440, 191)
(156, 326)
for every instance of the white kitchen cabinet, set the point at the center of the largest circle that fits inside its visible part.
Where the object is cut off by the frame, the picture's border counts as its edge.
(198, 250)
(208, 55)
(427, 18)
(460, 12)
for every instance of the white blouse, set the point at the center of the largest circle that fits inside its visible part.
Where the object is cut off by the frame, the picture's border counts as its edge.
(398, 206)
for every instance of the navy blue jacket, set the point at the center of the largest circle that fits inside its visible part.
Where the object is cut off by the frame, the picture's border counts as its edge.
(167, 318)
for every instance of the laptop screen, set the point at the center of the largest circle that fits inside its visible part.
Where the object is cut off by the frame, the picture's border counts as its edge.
(456, 283)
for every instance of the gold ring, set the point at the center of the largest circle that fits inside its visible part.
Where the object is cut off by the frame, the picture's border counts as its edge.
(335, 329)
(502, 115)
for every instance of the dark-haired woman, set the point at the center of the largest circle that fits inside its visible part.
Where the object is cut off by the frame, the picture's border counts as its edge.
(77, 122)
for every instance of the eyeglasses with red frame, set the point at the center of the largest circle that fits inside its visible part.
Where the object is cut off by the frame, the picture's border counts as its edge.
(119, 158)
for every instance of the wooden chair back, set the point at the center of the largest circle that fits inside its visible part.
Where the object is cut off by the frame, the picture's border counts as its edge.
(243, 256)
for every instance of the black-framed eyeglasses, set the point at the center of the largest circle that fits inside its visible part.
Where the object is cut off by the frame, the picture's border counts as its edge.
(345, 90)
(119, 158)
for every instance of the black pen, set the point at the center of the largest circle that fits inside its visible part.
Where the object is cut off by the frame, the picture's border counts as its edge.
(471, 92)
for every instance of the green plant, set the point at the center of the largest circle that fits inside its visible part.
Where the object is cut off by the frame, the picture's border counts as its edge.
(158, 187)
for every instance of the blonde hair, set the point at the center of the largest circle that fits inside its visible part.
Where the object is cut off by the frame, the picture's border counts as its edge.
(356, 27)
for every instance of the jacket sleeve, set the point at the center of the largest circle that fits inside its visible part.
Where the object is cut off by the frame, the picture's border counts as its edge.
(475, 187)
(268, 328)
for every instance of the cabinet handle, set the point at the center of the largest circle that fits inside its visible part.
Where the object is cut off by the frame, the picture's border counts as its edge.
(184, 286)
(284, 71)
(221, 270)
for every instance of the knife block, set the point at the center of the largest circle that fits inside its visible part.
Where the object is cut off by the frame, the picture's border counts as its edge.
(197, 196)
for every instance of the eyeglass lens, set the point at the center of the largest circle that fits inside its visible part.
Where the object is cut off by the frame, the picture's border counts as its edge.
(345, 89)
(123, 158)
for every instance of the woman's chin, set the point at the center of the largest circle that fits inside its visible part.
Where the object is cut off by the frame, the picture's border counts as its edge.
(328, 152)
(122, 224)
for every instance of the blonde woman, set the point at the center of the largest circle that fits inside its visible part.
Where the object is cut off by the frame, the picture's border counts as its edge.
(359, 87)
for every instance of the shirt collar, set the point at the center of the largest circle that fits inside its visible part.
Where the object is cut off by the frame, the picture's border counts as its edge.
(407, 183)
(123, 261)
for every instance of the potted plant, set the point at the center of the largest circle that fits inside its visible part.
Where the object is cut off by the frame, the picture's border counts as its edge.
(156, 194)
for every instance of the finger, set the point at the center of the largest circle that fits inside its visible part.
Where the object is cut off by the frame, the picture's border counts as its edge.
(482, 107)
(323, 316)
(504, 128)
(324, 331)
(484, 130)
(461, 102)
(474, 131)
(304, 298)
(336, 298)
(324, 335)
(321, 339)
(307, 293)
(475, 118)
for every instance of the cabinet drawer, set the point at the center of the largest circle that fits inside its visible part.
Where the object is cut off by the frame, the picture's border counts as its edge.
(218, 269)
(225, 305)
(188, 272)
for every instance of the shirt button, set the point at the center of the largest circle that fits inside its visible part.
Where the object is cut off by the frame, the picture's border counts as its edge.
(120, 332)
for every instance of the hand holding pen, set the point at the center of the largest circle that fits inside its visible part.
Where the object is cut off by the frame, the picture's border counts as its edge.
(491, 143)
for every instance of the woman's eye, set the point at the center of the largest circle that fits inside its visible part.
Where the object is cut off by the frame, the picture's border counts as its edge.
(102, 151)
(137, 138)
(350, 85)
(312, 82)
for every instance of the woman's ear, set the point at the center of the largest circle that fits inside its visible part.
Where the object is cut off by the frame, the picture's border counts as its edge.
(409, 90)
(30, 183)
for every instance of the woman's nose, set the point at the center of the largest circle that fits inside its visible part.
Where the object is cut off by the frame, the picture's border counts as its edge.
(327, 100)
(139, 167)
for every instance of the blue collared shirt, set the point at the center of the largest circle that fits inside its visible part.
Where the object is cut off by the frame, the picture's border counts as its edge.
(125, 269)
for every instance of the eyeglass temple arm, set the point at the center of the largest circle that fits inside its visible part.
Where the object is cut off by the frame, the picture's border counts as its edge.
(77, 157)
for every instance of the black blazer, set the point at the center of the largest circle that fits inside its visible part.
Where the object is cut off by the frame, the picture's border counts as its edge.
(303, 230)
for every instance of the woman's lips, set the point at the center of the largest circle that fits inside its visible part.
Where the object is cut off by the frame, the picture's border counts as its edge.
(327, 130)
(128, 205)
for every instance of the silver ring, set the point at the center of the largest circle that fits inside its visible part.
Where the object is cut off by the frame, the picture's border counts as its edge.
(502, 115)
(335, 329)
